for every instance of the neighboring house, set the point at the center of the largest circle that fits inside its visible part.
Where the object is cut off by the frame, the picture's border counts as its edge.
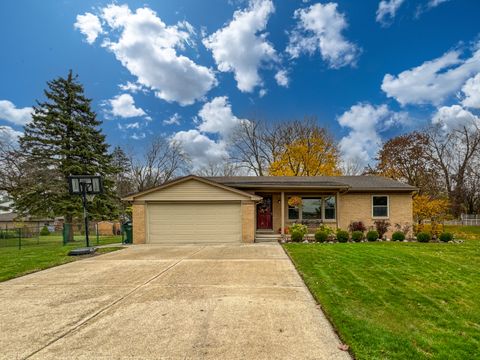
(245, 208)
(11, 220)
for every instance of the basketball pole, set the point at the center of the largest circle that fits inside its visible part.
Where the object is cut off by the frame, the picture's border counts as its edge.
(85, 215)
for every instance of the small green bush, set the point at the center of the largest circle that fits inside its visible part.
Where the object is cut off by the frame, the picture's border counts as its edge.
(423, 237)
(342, 236)
(321, 236)
(446, 237)
(357, 236)
(297, 236)
(398, 236)
(302, 229)
(372, 235)
(44, 231)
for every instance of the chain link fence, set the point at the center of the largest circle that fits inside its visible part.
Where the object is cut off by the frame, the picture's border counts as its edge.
(34, 235)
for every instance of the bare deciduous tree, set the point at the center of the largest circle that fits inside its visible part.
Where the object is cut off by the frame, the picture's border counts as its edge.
(223, 168)
(161, 161)
(453, 152)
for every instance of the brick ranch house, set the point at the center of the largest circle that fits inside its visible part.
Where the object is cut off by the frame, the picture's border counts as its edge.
(195, 209)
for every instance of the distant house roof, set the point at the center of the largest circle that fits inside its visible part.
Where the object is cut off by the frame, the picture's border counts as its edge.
(9, 217)
(351, 183)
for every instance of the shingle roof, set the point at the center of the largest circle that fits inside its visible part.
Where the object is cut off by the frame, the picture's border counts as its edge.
(352, 183)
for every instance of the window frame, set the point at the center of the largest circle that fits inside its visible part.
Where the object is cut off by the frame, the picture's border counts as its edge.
(313, 196)
(374, 206)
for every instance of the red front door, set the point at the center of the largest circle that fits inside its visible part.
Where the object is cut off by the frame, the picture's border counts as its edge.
(264, 214)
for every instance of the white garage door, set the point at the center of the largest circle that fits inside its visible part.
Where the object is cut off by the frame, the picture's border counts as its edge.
(194, 223)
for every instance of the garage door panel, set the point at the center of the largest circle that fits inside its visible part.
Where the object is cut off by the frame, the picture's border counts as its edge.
(194, 222)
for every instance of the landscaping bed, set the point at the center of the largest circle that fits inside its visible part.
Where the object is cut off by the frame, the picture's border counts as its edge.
(395, 300)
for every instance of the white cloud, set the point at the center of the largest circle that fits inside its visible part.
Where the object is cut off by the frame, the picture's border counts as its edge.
(435, 3)
(89, 25)
(9, 135)
(471, 90)
(173, 120)
(134, 125)
(241, 46)
(138, 136)
(124, 106)
(217, 117)
(200, 149)
(454, 117)
(132, 87)
(147, 48)
(9, 112)
(387, 9)
(365, 122)
(433, 81)
(320, 27)
(282, 78)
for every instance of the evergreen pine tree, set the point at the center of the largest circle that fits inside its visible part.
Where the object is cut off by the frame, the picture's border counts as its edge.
(64, 139)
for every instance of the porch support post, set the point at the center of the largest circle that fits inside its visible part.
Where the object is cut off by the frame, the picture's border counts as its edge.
(282, 212)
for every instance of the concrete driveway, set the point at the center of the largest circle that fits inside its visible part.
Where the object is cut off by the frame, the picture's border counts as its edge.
(167, 302)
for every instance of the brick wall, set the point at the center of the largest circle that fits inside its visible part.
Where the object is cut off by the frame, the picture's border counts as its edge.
(358, 207)
(139, 225)
(248, 221)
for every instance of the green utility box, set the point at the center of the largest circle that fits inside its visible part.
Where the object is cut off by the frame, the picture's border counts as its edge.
(67, 231)
(127, 232)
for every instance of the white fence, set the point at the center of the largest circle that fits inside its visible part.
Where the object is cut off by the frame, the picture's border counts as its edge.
(465, 219)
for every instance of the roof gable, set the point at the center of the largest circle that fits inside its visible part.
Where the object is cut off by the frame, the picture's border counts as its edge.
(192, 188)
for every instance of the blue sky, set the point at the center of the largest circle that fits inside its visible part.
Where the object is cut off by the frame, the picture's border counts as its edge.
(368, 70)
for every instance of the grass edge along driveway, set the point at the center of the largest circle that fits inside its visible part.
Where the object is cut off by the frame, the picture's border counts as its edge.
(32, 258)
(397, 300)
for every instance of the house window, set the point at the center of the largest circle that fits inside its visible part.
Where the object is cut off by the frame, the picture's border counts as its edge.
(293, 212)
(380, 206)
(311, 208)
(329, 203)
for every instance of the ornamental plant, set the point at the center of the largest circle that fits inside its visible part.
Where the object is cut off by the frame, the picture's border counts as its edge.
(342, 236)
(357, 226)
(296, 236)
(398, 236)
(44, 231)
(357, 236)
(382, 227)
(372, 235)
(446, 237)
(424, 237)
(295, 201)
(321, 236)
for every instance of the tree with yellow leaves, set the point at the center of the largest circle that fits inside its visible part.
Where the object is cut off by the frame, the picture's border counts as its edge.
(427, 208)
(307, 150)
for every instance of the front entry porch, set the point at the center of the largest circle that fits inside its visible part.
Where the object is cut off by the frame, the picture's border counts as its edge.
(277, 211)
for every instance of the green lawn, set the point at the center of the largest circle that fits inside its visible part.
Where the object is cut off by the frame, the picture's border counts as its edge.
(398, 300)
(49, 252)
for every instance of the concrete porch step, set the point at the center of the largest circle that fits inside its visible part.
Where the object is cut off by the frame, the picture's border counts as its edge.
(267, 237)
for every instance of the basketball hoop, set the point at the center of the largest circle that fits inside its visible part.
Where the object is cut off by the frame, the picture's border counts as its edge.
(88, 186)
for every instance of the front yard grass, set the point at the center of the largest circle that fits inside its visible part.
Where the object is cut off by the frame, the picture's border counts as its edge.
(50, 252)
(398, 300)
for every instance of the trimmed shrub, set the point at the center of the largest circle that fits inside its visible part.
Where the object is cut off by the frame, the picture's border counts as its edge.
(357, 226)
(357, 236)
(342, 236)
(297, 236)
(423, 237)
(302, 229)
(446, 237)
(398, 236)
(321, 236)
(372, 235)
(382, 227)
(44, 231)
